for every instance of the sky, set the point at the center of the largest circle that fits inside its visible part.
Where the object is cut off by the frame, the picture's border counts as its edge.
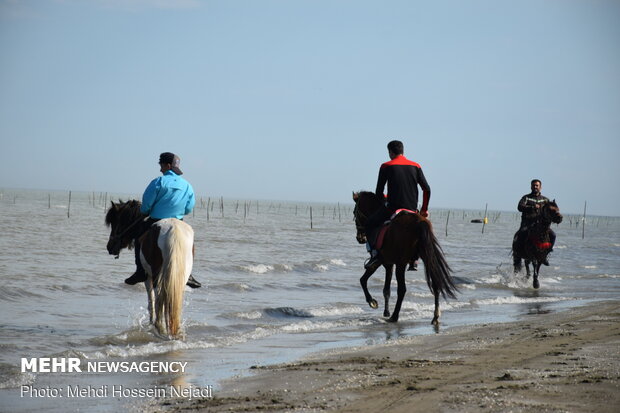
(297, 99)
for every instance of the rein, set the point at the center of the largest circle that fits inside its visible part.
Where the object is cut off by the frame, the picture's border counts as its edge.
(122, 234)
(126, 231)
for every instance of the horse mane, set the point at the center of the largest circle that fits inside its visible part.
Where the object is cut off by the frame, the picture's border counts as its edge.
(368, 194)
(130, 210)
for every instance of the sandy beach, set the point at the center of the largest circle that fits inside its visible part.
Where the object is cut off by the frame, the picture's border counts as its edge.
(558, 362)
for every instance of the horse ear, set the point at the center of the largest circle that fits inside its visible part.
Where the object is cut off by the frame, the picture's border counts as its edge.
(113, 204)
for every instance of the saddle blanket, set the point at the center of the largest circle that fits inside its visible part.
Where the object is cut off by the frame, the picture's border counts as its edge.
(386, 225)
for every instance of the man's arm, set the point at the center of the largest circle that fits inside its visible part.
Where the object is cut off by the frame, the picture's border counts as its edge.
(191, 201)
(426, 193)
(523, 205)
(149, 196)
(381, 181)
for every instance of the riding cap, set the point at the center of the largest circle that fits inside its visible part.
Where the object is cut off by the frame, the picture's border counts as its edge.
(172, 159)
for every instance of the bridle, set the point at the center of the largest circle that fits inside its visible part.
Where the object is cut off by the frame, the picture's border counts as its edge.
(357, 217)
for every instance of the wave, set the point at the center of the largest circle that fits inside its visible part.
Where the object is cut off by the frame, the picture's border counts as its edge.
(12, 377)
(335, 310)
(320, 266)
(518, 300)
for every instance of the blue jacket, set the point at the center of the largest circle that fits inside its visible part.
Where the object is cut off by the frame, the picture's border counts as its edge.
(169, 196)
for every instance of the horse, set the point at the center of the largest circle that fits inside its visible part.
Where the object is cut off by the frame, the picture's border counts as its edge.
(167, 255)
(536, 245)
(408, 237)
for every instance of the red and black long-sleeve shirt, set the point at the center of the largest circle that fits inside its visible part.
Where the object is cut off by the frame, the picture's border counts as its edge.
(402, 177)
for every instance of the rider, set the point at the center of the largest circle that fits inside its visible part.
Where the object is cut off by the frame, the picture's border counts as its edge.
(530, 206)
(169, 196)
(402, 177)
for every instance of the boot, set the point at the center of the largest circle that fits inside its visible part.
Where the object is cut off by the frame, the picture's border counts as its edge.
(191, 282)
(373, 260)
(137, 277)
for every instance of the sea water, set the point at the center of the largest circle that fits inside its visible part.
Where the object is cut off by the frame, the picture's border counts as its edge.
(280, 280)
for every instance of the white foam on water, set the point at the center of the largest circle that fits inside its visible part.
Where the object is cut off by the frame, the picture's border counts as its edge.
(518, 300)
(248, 315)
(321, 267)
(336, 310)
(258, 268)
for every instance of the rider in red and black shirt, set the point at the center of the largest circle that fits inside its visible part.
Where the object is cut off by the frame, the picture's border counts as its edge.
(402, 177)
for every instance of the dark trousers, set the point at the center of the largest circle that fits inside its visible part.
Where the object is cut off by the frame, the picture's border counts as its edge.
(144, 226)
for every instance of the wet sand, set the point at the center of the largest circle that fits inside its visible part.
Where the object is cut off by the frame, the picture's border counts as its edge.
(559, 362)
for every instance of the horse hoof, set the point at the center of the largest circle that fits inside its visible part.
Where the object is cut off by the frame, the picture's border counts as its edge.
(393, 319)
(435, 321)
(386, 314)
(536, 283)
(373, 304)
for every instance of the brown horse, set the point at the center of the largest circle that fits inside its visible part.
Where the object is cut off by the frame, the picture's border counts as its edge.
(536, 245)
(167, 255)
(409, 236)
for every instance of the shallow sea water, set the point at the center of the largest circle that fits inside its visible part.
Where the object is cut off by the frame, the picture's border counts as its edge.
(274, 290)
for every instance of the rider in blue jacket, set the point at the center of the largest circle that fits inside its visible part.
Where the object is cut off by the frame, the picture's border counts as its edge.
(168, 196)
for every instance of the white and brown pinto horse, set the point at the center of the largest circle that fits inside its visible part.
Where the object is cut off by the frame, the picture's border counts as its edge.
(167, 255)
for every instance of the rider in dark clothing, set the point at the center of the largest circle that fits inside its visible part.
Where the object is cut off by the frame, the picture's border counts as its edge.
(402, 177)
(530, 207)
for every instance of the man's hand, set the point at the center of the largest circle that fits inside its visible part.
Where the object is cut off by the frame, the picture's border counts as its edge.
(424, 213)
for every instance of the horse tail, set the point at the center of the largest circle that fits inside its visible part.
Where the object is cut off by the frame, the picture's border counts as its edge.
(436, 267)
(176, 267)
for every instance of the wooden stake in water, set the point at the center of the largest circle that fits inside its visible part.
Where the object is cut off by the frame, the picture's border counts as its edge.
(49, 201)
(583, 224)
(310, 217)
(447, 219)
(69, 205)
(484, 220)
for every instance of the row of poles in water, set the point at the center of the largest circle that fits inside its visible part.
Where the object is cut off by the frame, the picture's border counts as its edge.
(209, 206)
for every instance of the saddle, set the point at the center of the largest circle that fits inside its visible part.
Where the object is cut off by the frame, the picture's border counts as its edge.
(387, 223)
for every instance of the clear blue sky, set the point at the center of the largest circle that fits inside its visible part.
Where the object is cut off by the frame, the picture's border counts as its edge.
(296, 100)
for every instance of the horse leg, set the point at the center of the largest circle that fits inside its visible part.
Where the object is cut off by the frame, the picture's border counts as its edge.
(364, 281)
(527, 268)
(437, 313)
(386, 290)
(536, 266)
(151, 259)
(402, 289)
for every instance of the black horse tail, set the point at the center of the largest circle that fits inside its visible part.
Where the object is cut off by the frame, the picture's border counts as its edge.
(436, 268)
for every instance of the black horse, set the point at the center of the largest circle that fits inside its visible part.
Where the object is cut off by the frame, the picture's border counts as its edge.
(409, 236)
(536, 244)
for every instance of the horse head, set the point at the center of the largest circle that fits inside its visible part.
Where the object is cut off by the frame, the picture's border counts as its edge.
(551, 210)
(122, 217)
(366, 203)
